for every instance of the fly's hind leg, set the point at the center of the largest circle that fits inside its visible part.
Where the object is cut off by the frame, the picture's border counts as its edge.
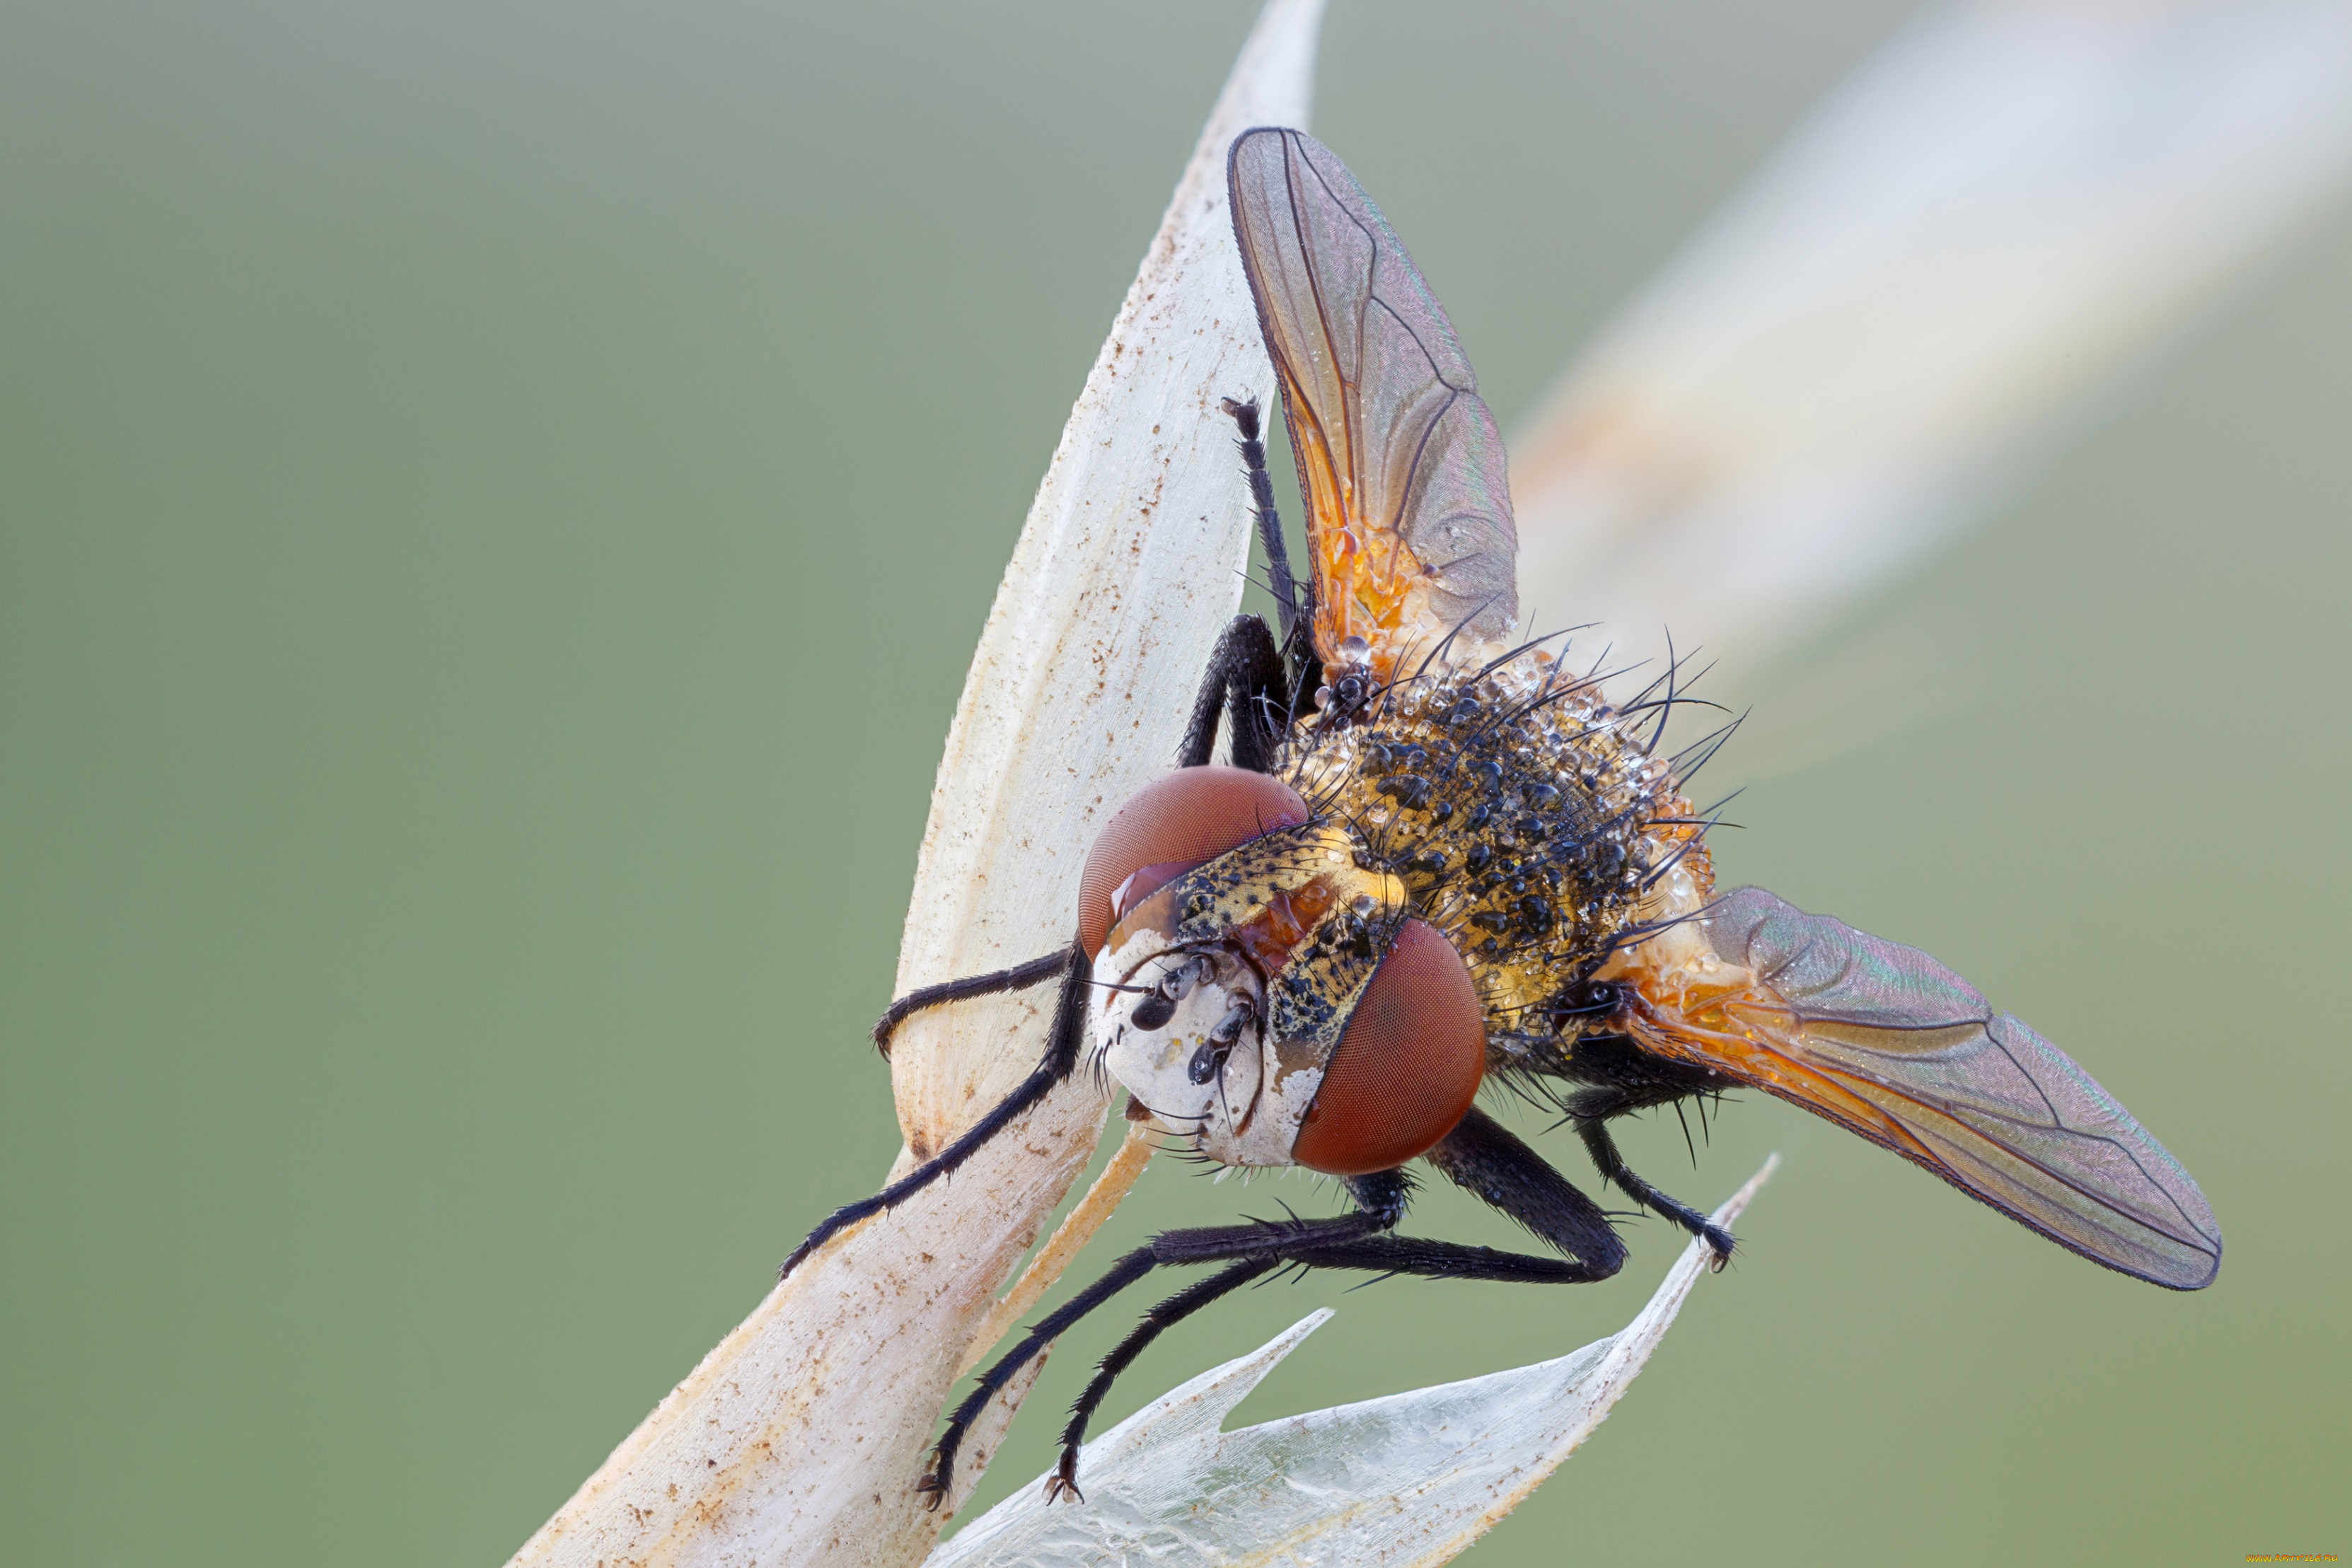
(1622, 1078)
(1479, 1154)
(1591, 1109)
(1250, 1252)
(1062, 1046)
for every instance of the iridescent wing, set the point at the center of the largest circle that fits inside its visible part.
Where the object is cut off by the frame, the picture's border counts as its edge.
(1409, 508)
(1883, 1040)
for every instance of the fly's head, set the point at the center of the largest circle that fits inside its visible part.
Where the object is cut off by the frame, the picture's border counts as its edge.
(1246, 969)
(1274, 1001)
(1188, 1042)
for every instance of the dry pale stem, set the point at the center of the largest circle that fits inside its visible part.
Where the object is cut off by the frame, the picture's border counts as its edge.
(799, 1439)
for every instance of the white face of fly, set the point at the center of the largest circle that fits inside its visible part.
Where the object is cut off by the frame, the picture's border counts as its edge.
(1199, 1059)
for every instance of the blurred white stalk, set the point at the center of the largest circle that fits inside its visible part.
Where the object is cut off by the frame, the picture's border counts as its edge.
(1403, 1482)
(799, 1439)
(2012, 203)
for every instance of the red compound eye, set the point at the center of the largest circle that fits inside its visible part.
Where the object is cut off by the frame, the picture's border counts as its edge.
(1407, 1066)
(1167, 828)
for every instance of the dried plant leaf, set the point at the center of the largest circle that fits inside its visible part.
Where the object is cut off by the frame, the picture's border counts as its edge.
(1069, 1237)
(799, 1439)
(1982, 226)
(1129, 565)
(1408, 1479)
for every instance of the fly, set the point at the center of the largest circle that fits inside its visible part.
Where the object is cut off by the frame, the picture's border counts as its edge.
(1438, 862)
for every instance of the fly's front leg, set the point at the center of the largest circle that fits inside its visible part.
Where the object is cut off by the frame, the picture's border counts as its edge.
(1019, 978)
(1062, 1046)
(1249, 1250)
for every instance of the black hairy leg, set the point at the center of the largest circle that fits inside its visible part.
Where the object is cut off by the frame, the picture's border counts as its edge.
(1019, 978)
(1062, 1045)
(1297, 610)
(1172, 1311)
(1484, 1159)
(1591, 1110)
(1380, 1197)
(1254, 683)
(1620, 1078)
(1480, 1155)
(1357, 1242)
(1246, 685)
(1294, 597)
(1263, 1243)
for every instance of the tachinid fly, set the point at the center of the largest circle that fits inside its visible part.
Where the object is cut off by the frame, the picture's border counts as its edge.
(1436, 860)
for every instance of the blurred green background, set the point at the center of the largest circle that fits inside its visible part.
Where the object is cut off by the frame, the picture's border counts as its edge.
(497, 501)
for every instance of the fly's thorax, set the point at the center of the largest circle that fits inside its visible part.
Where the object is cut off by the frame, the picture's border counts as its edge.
(1238, 978)
(1529, 819)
